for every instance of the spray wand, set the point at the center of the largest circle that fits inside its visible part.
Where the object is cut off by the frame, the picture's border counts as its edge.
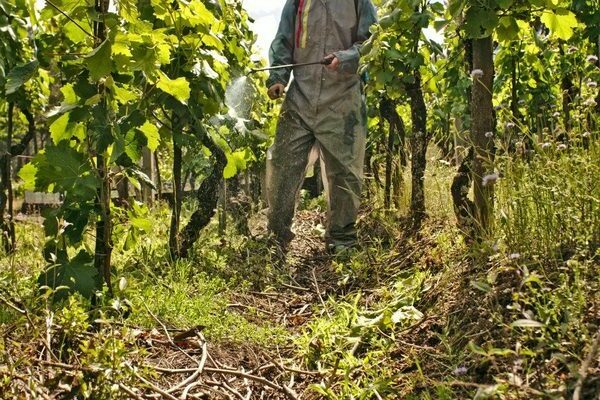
(325, 61)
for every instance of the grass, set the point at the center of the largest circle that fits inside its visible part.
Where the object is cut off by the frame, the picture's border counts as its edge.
(426, 317)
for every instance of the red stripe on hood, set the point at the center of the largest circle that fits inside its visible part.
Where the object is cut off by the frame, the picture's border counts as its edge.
(299, 23)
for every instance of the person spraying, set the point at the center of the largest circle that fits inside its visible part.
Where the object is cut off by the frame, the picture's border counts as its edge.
(323, 107)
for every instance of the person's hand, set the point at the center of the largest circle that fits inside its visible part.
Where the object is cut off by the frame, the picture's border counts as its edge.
(334, 64)
(276, 91)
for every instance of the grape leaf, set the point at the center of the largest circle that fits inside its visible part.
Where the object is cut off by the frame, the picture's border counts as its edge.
(28, 173)
(560, 22)
(151, 132)
(178, 88)
(58, 129)
(77, 275)
(99, 61)
(19, 75)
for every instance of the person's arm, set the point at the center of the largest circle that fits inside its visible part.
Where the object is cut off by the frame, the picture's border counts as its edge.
(348, 59)
(282, 48)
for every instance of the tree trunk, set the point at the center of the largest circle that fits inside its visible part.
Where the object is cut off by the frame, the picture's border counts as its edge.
(389, 153)
(419, 144)
(6, 195)
(207, 195)
(104, 245)
(482, 112)
(174, 244)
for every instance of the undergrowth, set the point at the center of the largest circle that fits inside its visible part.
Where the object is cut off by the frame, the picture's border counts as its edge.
(425, 316)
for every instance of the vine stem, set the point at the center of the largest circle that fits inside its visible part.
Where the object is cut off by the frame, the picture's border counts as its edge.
(583, 371)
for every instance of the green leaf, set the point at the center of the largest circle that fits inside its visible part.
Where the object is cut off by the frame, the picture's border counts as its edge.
(99, 62)
(65, 170)
(123, 95)
(151, 132)
(230, 169)
(178, 88)
(526, 323)
(456, 7)
(28, 173)
(508, 29)
(58, 129)
(143, 224)
(505, 4)
(77, 275)
(19, 75)
(480, 22)
(483, 286)
(560, 22)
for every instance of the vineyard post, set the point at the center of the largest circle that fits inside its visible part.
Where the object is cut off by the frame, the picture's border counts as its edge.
(483, 122)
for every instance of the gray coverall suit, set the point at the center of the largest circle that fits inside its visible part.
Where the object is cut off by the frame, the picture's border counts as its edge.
(321, 107)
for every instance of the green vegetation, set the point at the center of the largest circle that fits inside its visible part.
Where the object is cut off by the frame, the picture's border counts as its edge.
(478, 274)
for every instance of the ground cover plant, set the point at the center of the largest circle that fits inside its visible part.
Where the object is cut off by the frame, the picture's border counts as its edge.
(135, 261)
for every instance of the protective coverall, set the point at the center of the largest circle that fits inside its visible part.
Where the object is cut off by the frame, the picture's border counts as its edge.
(321, 107)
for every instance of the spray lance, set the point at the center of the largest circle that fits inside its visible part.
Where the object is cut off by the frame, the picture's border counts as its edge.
(325, 61)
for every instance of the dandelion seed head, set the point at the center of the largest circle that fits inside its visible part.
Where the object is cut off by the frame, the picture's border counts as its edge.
(490, 179)
(477, 74)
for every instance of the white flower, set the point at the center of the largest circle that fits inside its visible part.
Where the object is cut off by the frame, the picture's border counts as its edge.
(592, 59)
(592, 84)
(489, 135)
(477, 74)
(590, 103)
(510, 125)
(562, 147)
(460, 371)
(521, 102)
(546, 145)
(515, 256)
(587, 134)
(490, 179)
(556, 115)
(572, 50)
